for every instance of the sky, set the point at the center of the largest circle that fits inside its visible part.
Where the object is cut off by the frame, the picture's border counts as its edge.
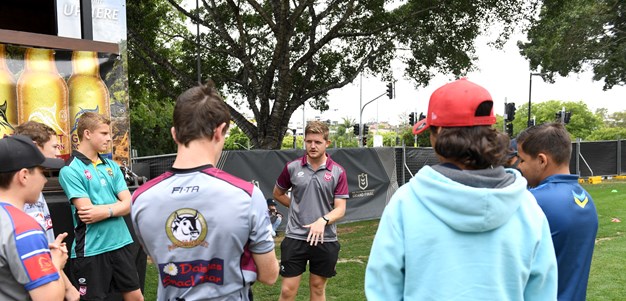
(503, 72)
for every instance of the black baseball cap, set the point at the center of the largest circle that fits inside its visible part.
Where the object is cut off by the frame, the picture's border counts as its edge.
(271, 202)
(19, 151)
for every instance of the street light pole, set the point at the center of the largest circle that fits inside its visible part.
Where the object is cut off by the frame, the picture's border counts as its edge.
(361, 108)
(530, 90)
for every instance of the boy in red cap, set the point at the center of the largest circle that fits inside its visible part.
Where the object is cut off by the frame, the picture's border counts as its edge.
(467, 228)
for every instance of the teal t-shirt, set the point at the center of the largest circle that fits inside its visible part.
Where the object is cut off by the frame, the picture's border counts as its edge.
(101, 184)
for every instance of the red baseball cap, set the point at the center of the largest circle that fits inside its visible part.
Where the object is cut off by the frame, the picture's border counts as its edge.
(454, 105)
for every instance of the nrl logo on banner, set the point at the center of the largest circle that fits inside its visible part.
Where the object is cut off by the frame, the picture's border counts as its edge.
(363, 181)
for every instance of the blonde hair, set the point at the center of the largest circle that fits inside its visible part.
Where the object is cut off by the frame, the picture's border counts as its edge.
(317, 127)
(90, 121)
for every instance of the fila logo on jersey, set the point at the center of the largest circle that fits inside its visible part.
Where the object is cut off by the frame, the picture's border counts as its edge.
(186, 189)
(186, 228)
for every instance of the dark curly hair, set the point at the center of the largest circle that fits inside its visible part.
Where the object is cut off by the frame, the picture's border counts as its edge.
(476, 147)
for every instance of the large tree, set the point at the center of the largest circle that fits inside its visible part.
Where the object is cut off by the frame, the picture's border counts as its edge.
(572, 35)
(272, 57)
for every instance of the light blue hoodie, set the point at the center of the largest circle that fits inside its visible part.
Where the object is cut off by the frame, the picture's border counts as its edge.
(439, 239)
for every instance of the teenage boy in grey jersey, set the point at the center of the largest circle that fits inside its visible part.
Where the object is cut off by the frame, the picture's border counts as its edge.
(207, 231)
(319, 190)
(46, 140)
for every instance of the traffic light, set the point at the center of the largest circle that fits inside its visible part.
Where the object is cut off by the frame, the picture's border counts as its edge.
(412, 118)
(364, 140)
(509, 110)
(356, 129)
(509, 128)
(390, 90)
(567, 117)
(366, 129)
(422, 116)
(558, 115)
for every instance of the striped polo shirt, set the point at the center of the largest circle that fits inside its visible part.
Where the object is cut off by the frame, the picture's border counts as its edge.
(101, 183)
(313, 194)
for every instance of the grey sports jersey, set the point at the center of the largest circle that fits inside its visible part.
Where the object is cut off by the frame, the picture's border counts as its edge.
(40, 212)
(200, 226)
(313, 194)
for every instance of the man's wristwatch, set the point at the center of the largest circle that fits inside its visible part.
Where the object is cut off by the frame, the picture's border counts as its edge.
(326, 219)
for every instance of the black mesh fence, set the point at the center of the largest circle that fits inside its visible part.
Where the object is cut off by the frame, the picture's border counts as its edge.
(622, 156)
(594, 158)
(415, 159)
(597, 158)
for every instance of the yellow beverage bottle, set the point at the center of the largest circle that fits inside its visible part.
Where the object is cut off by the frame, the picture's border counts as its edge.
(88, 93)
(42, 95)
(8, 99)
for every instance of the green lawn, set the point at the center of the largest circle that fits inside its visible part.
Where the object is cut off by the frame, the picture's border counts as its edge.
(607, 282)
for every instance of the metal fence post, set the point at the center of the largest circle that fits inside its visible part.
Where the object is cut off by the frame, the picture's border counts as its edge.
(403, 160)
(619, 157)
(578, 156)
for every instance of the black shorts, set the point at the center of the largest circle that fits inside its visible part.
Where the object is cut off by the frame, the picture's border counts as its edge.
(322, 258)
(97, 276)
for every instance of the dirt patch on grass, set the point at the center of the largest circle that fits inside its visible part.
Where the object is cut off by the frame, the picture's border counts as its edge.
(358, 259)
(348, 229)
(608, 238)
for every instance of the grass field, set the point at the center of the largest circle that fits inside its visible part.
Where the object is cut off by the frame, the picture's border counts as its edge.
(607, 280)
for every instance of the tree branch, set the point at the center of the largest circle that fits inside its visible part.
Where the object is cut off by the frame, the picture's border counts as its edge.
(259, 9)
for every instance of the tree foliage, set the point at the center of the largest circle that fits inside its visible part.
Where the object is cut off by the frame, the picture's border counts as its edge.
(582, 124)
(152, 85)
(614, 126)
(272, 57)
(572, 34)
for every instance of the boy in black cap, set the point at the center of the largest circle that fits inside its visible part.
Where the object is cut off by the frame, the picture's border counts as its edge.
(30, 265)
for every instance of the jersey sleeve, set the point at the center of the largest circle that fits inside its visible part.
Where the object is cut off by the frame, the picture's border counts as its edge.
(27, 252)
(135, 216)
(260, 240)
(72, 184)
(341, 191)
(118, 178)
(284, 179)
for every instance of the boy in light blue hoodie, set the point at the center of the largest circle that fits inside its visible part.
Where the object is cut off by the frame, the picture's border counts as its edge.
(465, 229)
